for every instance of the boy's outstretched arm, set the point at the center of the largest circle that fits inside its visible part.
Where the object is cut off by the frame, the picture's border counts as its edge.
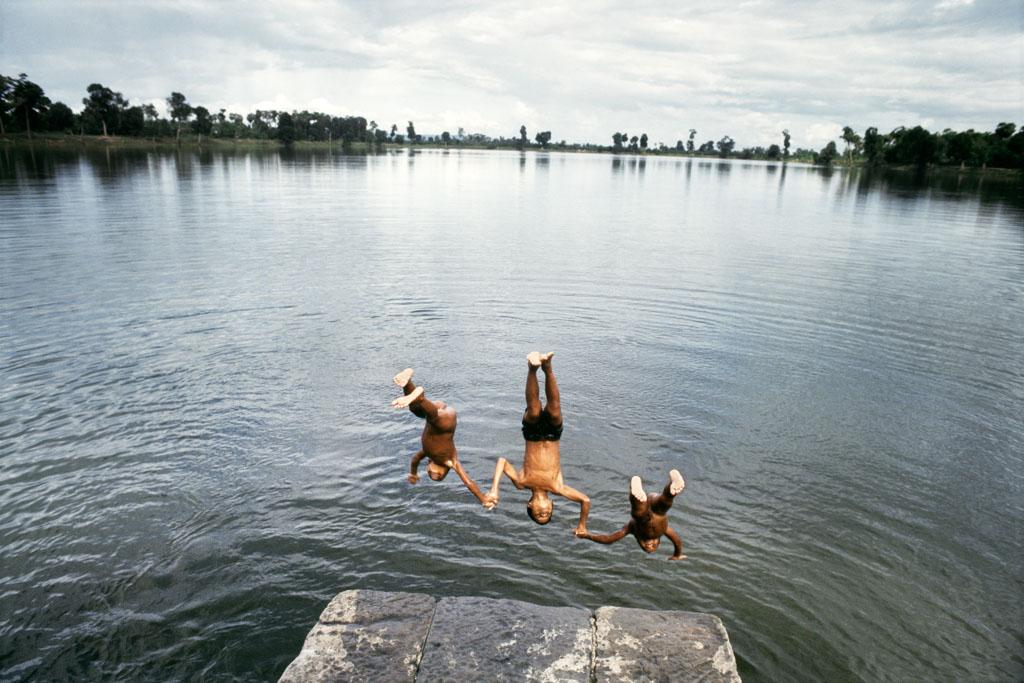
(414, 467)
(674, 537)
(503, 466)
(607, 538)
(581, 498)
(470, 484)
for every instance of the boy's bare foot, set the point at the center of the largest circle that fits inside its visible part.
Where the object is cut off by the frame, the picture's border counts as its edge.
(636, 487)
(677, 557)
(534, 359)
(402, 378)
(677, 482)
(545, 359)
(404, 401)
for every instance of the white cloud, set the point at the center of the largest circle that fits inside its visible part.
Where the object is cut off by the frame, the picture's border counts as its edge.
(580, 70)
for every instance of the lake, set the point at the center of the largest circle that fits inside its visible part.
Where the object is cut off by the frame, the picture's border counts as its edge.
(197, 449)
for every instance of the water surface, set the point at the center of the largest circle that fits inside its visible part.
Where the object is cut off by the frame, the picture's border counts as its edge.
(197, 452)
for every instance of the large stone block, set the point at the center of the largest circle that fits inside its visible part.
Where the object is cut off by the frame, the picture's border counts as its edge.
(644, 645)
(482, 639)
(365, 636)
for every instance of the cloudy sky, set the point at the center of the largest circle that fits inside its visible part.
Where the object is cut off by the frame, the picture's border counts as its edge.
(580, 69)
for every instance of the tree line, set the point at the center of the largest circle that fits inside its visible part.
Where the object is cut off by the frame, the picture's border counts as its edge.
(25, 108)
(917, 146)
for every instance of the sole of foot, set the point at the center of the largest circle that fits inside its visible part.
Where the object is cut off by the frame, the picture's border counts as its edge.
(636, 487)
(405, 401)
(534, 359)
(677, 482)
(402, 378)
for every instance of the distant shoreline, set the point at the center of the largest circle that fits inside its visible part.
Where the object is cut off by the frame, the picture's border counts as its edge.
(67, 141)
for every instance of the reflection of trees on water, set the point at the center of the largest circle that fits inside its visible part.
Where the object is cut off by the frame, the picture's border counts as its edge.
(782, 183)
(113, 165)
(915, 183)
(634, 164)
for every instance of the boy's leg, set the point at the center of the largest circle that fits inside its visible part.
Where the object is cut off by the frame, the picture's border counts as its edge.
(640, 507)
(417, 402)
(672, 488)
(533, 408)
(554, 403)
(404, 380)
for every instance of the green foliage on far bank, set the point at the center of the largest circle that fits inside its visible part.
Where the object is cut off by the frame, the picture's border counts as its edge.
(1002, 148)
(110, 118)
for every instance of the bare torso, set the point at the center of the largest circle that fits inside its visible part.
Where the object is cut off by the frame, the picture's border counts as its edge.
(542, 466)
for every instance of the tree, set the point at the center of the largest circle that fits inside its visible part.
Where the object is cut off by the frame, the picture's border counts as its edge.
(28, 103)
(633, 142)
(60, 117)
(180, 111)
(643, 141)
(394, 131)
(785, 143)
(914, 146)
(523, 140)
(773, 152)
(286, 128)
(725, 146)
(852, 141)
(411, 132)
(6, 85)
(617, 140)
(689, 141)
(1003, 130)
(679, 146)
(203, 124)
(103, 108)
(707, 148)
(131, 121)
(874, 145)
(544, 138)
(827, 154)
(446, 137)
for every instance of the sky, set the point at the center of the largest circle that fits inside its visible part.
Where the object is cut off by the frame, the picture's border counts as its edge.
(582, 70)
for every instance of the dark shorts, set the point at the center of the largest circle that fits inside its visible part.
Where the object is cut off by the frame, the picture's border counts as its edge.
(542, 430)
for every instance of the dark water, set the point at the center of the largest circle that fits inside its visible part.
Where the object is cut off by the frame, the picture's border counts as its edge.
(197, 452)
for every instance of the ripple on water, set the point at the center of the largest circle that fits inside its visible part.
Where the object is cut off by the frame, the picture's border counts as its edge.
(196, 444)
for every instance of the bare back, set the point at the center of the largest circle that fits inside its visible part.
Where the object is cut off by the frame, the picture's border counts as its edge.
(652, 524)
(439, 437)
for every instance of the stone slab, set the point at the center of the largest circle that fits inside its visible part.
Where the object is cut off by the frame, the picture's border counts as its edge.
(365, 636)
(646, 645)
(484, 639)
